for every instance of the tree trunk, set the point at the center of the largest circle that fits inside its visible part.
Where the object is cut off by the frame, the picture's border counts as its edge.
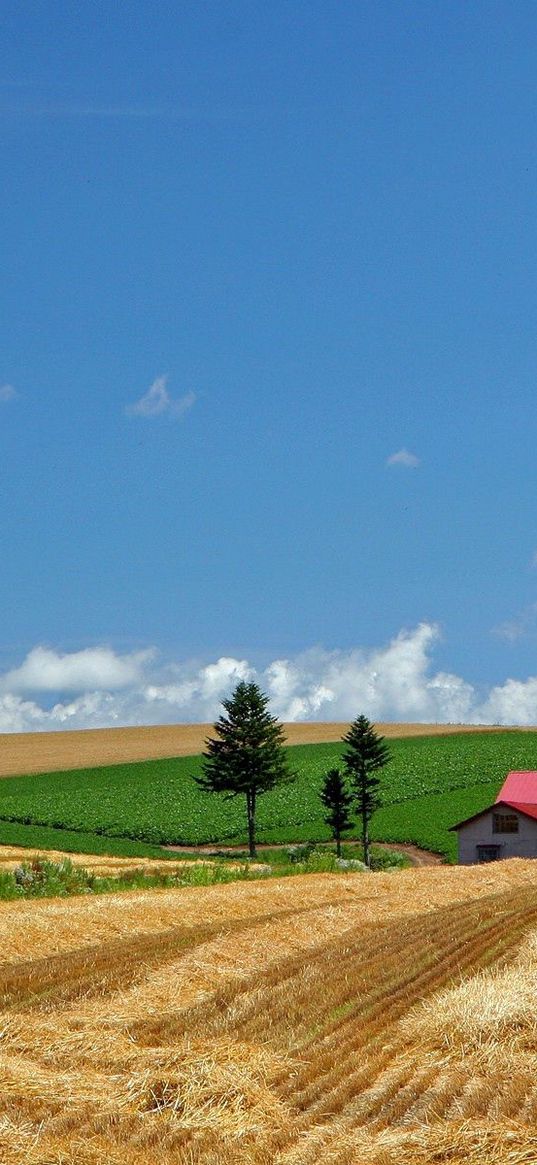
(250, 809)
(365, 838)
(365, 817)
(338, 843)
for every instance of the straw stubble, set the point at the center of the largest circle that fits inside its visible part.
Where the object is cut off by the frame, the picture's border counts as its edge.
(355, 1019)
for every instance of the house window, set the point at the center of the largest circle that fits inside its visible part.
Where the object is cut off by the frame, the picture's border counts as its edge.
(488, 853)
(505, 823)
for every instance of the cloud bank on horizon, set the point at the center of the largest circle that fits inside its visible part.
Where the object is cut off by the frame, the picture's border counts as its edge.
(98, 688)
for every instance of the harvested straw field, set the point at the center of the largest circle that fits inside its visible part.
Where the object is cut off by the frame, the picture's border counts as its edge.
(353, 1020)
(103, 865)
(40, 752)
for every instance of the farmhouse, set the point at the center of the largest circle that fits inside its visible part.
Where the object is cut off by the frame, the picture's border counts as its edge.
(507, 829)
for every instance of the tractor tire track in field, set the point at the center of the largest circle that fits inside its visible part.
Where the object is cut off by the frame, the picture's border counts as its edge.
(424, 963)
(273, 1034)
(380, 973)
(328, 1087)
(109, 966)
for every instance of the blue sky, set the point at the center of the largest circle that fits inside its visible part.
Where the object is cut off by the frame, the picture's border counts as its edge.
(269, 355)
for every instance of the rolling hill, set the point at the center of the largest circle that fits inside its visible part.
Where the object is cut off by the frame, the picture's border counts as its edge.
(38, 752)
(432, 781)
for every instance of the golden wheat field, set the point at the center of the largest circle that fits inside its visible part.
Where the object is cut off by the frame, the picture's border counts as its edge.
(384, 1019)
(102, 866)
(39, 752)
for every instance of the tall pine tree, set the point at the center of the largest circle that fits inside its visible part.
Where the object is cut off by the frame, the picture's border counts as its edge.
(337, 801)
(365, 754)
(246, 756)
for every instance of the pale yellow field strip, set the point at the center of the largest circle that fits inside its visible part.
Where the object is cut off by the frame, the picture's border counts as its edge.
(103, 865)
(38, 752)
(50, 926)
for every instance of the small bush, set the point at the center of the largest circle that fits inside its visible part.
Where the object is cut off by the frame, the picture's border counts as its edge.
(8, 886)
(43, 878)
(301, 852)
(388, 859)
(350, 864)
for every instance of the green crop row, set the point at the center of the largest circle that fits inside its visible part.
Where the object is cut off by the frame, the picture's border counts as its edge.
(430, 783)
(426, 820)
(41, 837)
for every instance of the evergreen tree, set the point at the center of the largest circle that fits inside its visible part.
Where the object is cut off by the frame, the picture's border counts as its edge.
(337, 801)
(365, 754)
(246, 756)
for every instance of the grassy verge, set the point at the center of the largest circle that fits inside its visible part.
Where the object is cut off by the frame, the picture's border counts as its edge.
(42, 878)
(290, 858)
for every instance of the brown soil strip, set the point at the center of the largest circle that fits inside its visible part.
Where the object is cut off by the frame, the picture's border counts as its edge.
(39, 752)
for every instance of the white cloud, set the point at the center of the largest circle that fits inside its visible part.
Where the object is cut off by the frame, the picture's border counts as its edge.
(514, 702)
(386, 683)
(519, 626)
(157, 401)
(18, 715)
(404, 459)
(46, 670)
(7, 393)
(511, 630)
(200, 689)
(97, 687)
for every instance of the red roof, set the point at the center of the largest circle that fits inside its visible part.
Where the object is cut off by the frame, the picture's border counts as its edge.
(520, 788)
(527, 810)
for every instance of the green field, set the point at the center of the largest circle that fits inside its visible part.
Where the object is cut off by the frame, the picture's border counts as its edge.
(430, 783)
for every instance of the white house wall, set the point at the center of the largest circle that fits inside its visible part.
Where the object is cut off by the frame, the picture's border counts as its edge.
(512, 845)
